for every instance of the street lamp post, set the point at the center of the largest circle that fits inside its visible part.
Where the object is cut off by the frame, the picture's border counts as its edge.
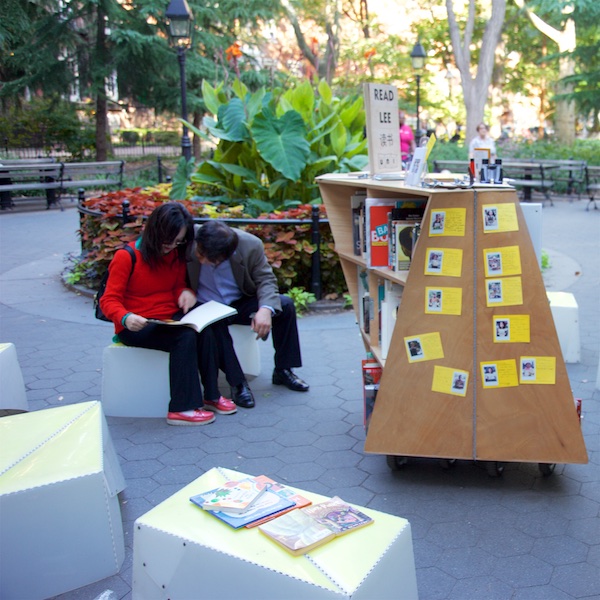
(180, 20)
(417, 58)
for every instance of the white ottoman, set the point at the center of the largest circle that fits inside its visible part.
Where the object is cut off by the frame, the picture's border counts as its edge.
(60, 520)
(565, 313)
(135, 381)
(12, 386)
(181, 552)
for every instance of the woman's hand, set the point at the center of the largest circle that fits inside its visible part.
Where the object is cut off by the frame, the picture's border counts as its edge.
(134, 322)
(261, 322)
(186, 300)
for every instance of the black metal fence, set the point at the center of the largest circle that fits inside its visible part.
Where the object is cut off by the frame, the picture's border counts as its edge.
(315, 222)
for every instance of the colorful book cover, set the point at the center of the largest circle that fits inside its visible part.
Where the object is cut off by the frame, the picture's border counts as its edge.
(270, 503)
(377, 231)
(284, 492)
(233, 496)
(299, 531)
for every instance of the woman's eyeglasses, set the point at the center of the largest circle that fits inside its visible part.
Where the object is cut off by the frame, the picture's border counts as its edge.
(175, 243)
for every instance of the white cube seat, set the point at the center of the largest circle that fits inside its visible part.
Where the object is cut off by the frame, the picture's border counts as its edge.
(565, 312)
(135, 381)
(12, 386)
(182, 552)
(60, 519)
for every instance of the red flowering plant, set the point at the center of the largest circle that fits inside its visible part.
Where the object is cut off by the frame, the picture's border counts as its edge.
(288, 247)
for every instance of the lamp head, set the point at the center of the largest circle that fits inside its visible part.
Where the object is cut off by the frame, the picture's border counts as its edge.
(179, 19)
(418, 56)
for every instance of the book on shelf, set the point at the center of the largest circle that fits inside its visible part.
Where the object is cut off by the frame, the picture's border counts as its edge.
(371, 373)
(233, 496)
(284, 492)
(201, 316)
(389, 311)
(377, 211)
(363, 299)
(383, 128)
(357, 202)
(302, 530)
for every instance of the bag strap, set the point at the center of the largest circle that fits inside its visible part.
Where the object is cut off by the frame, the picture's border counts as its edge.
(131, 253)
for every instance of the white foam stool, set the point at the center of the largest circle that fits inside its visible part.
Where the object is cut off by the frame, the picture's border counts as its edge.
(182, 552)
(565, 313)
(12, 386)
(60, 525)
(135, 381)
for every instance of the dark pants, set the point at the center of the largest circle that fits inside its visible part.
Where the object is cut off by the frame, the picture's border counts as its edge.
(189, 352)
(285, 336)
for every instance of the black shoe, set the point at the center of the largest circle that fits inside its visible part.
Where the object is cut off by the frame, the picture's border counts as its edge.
(288, 378)
(242, 395)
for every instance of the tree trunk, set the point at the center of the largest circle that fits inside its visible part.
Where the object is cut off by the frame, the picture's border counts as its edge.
(100, 90)
(567, 42)
(475, 89)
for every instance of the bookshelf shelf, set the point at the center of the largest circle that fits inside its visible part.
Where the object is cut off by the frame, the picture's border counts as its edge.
(417, 412)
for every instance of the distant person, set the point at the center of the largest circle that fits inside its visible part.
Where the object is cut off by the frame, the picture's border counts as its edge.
(156, 288)
(407, 138)
(483, 140)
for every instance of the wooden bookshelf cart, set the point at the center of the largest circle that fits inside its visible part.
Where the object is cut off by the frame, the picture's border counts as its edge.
(535, 423)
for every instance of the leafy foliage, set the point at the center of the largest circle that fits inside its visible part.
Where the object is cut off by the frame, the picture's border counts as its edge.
(288, 247)
(272, 145)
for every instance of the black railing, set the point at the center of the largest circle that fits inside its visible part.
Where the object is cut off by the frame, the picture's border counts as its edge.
(315, 222)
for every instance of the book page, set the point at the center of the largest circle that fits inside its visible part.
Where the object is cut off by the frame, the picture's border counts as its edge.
(201, 316)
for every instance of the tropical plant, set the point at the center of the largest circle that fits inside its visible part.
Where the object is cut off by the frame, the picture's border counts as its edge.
(272, 145)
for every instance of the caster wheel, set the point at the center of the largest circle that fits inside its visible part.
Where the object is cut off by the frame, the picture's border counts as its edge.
(494, 469)
(395, 463)
(447, 463)
(546, 469)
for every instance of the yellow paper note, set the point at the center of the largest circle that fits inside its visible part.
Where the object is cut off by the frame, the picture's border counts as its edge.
(430, 145)
(500, 262)
(499, 217)
(444, 261)
(443, 301)
(511, 328)
(537, 369)
(448, 222)
(450, 381)
(504, 292)
(424, 346)
(499, 374)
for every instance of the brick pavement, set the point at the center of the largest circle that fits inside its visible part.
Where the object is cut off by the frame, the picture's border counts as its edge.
(521, 536)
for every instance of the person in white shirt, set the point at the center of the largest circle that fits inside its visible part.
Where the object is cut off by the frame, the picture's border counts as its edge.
(483, 140)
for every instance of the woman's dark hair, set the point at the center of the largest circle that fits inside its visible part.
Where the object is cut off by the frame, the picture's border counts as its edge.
(163, 227)
(216, 241)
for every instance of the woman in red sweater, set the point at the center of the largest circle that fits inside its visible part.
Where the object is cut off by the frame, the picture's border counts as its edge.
(156, 289)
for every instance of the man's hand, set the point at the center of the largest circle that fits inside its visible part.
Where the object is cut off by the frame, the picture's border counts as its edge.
(135, 322)
(186, 300)
(261, 322)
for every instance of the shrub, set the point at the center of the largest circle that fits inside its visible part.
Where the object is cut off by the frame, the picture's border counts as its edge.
(287, 247)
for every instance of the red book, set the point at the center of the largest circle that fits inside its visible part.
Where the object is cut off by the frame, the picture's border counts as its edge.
(377, 230)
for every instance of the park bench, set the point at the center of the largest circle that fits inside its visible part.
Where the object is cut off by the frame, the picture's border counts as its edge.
(567, 174)
(592, 184)
(528, 176)
(20, 176)
(54, 178)
(454, 166)
(101, 174)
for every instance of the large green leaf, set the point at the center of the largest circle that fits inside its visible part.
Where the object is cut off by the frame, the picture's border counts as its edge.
(325, 91)
(232, 119)
(338, 138)
(209, 95)
(254, 103)
(281, 142)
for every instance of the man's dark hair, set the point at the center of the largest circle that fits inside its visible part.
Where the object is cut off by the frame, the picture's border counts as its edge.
(216, 241)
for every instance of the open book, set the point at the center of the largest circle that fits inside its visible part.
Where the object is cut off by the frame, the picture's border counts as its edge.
(301, 530)
(201, 316)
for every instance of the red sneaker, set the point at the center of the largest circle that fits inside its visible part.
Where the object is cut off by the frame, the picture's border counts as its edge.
(223, 406)
(190, 417)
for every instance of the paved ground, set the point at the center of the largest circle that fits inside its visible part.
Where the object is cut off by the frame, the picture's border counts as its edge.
(521, 536)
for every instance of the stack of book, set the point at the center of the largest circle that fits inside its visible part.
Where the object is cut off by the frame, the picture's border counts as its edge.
(249, 502)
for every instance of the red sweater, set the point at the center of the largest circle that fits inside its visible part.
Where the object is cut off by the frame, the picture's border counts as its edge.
(150, 293)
